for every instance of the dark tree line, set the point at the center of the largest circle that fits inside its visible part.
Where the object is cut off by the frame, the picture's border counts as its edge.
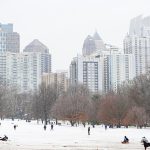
(129, 106)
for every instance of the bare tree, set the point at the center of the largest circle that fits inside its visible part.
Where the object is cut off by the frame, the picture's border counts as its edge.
(113, 109)
(96, 100)
(105, 113)
(139, 94)
(25, 101)
(120, 109)
(3, 91)
(44, 100)
(73, 105)
(11, 102)
(136, 116)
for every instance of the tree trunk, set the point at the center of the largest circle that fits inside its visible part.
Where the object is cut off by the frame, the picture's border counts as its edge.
(45, 118)
(56, 121)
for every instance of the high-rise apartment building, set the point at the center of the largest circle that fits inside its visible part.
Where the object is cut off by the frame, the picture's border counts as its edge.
(86, 71)
(102, 73)
(137, 42)
(140, 48)
(9, 40)
(117, 68)
(37, 47)
(103, 67)
(21, 70)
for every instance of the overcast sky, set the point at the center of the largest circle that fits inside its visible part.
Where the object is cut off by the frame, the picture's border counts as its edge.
(62, 25)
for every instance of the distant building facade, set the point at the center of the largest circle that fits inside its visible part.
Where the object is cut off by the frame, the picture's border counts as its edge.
(86, 71)
(140, 26)
(9, 40)
(137, 42)
(117, 68)
(104, 69)
(59, 80)
(21, 70)
(140, 48)
(92, 44)
(102, 73)
(37, 47)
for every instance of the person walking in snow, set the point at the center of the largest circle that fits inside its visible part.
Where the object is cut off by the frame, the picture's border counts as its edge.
(88, 130)
(105, 127)
(144, 139)
(15, 127)
(52, 126)
(44, 127)
(145, 142)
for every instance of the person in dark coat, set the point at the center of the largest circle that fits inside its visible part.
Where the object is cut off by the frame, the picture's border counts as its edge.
(126, 140)
(105, 127)
(145, 142)
(5, 138)
(15, 127)
(52, 126)
(144, 139)
(44, 127)
(88, 130)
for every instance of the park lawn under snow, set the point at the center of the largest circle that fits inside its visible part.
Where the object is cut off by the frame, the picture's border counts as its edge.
(31, 136)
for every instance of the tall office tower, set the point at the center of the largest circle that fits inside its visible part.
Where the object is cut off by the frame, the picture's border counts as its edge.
(92, 44)
(88, 46)
(21, 70)
(140, 26)
(86, 71)
(37, 47)
(9, 40)
(99, 44)
(59, 80)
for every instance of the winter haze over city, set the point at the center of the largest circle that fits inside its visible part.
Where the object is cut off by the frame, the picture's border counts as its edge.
(74, 75)
(63, 25)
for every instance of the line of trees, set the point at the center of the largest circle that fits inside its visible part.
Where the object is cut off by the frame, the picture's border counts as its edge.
(129, 106)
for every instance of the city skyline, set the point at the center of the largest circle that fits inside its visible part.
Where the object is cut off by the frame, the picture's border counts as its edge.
(77, 19)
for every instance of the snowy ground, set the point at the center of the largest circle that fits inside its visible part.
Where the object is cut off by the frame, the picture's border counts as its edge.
(30, 136)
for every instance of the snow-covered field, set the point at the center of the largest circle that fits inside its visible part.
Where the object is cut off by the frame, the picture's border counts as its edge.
(31, 136)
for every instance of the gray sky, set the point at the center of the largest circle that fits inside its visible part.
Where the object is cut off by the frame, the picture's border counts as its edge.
(62, 25)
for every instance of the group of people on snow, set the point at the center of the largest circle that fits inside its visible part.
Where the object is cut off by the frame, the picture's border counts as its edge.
(52, 126)
(125, 141)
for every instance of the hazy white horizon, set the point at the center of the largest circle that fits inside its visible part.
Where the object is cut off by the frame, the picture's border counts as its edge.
(62, 25)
